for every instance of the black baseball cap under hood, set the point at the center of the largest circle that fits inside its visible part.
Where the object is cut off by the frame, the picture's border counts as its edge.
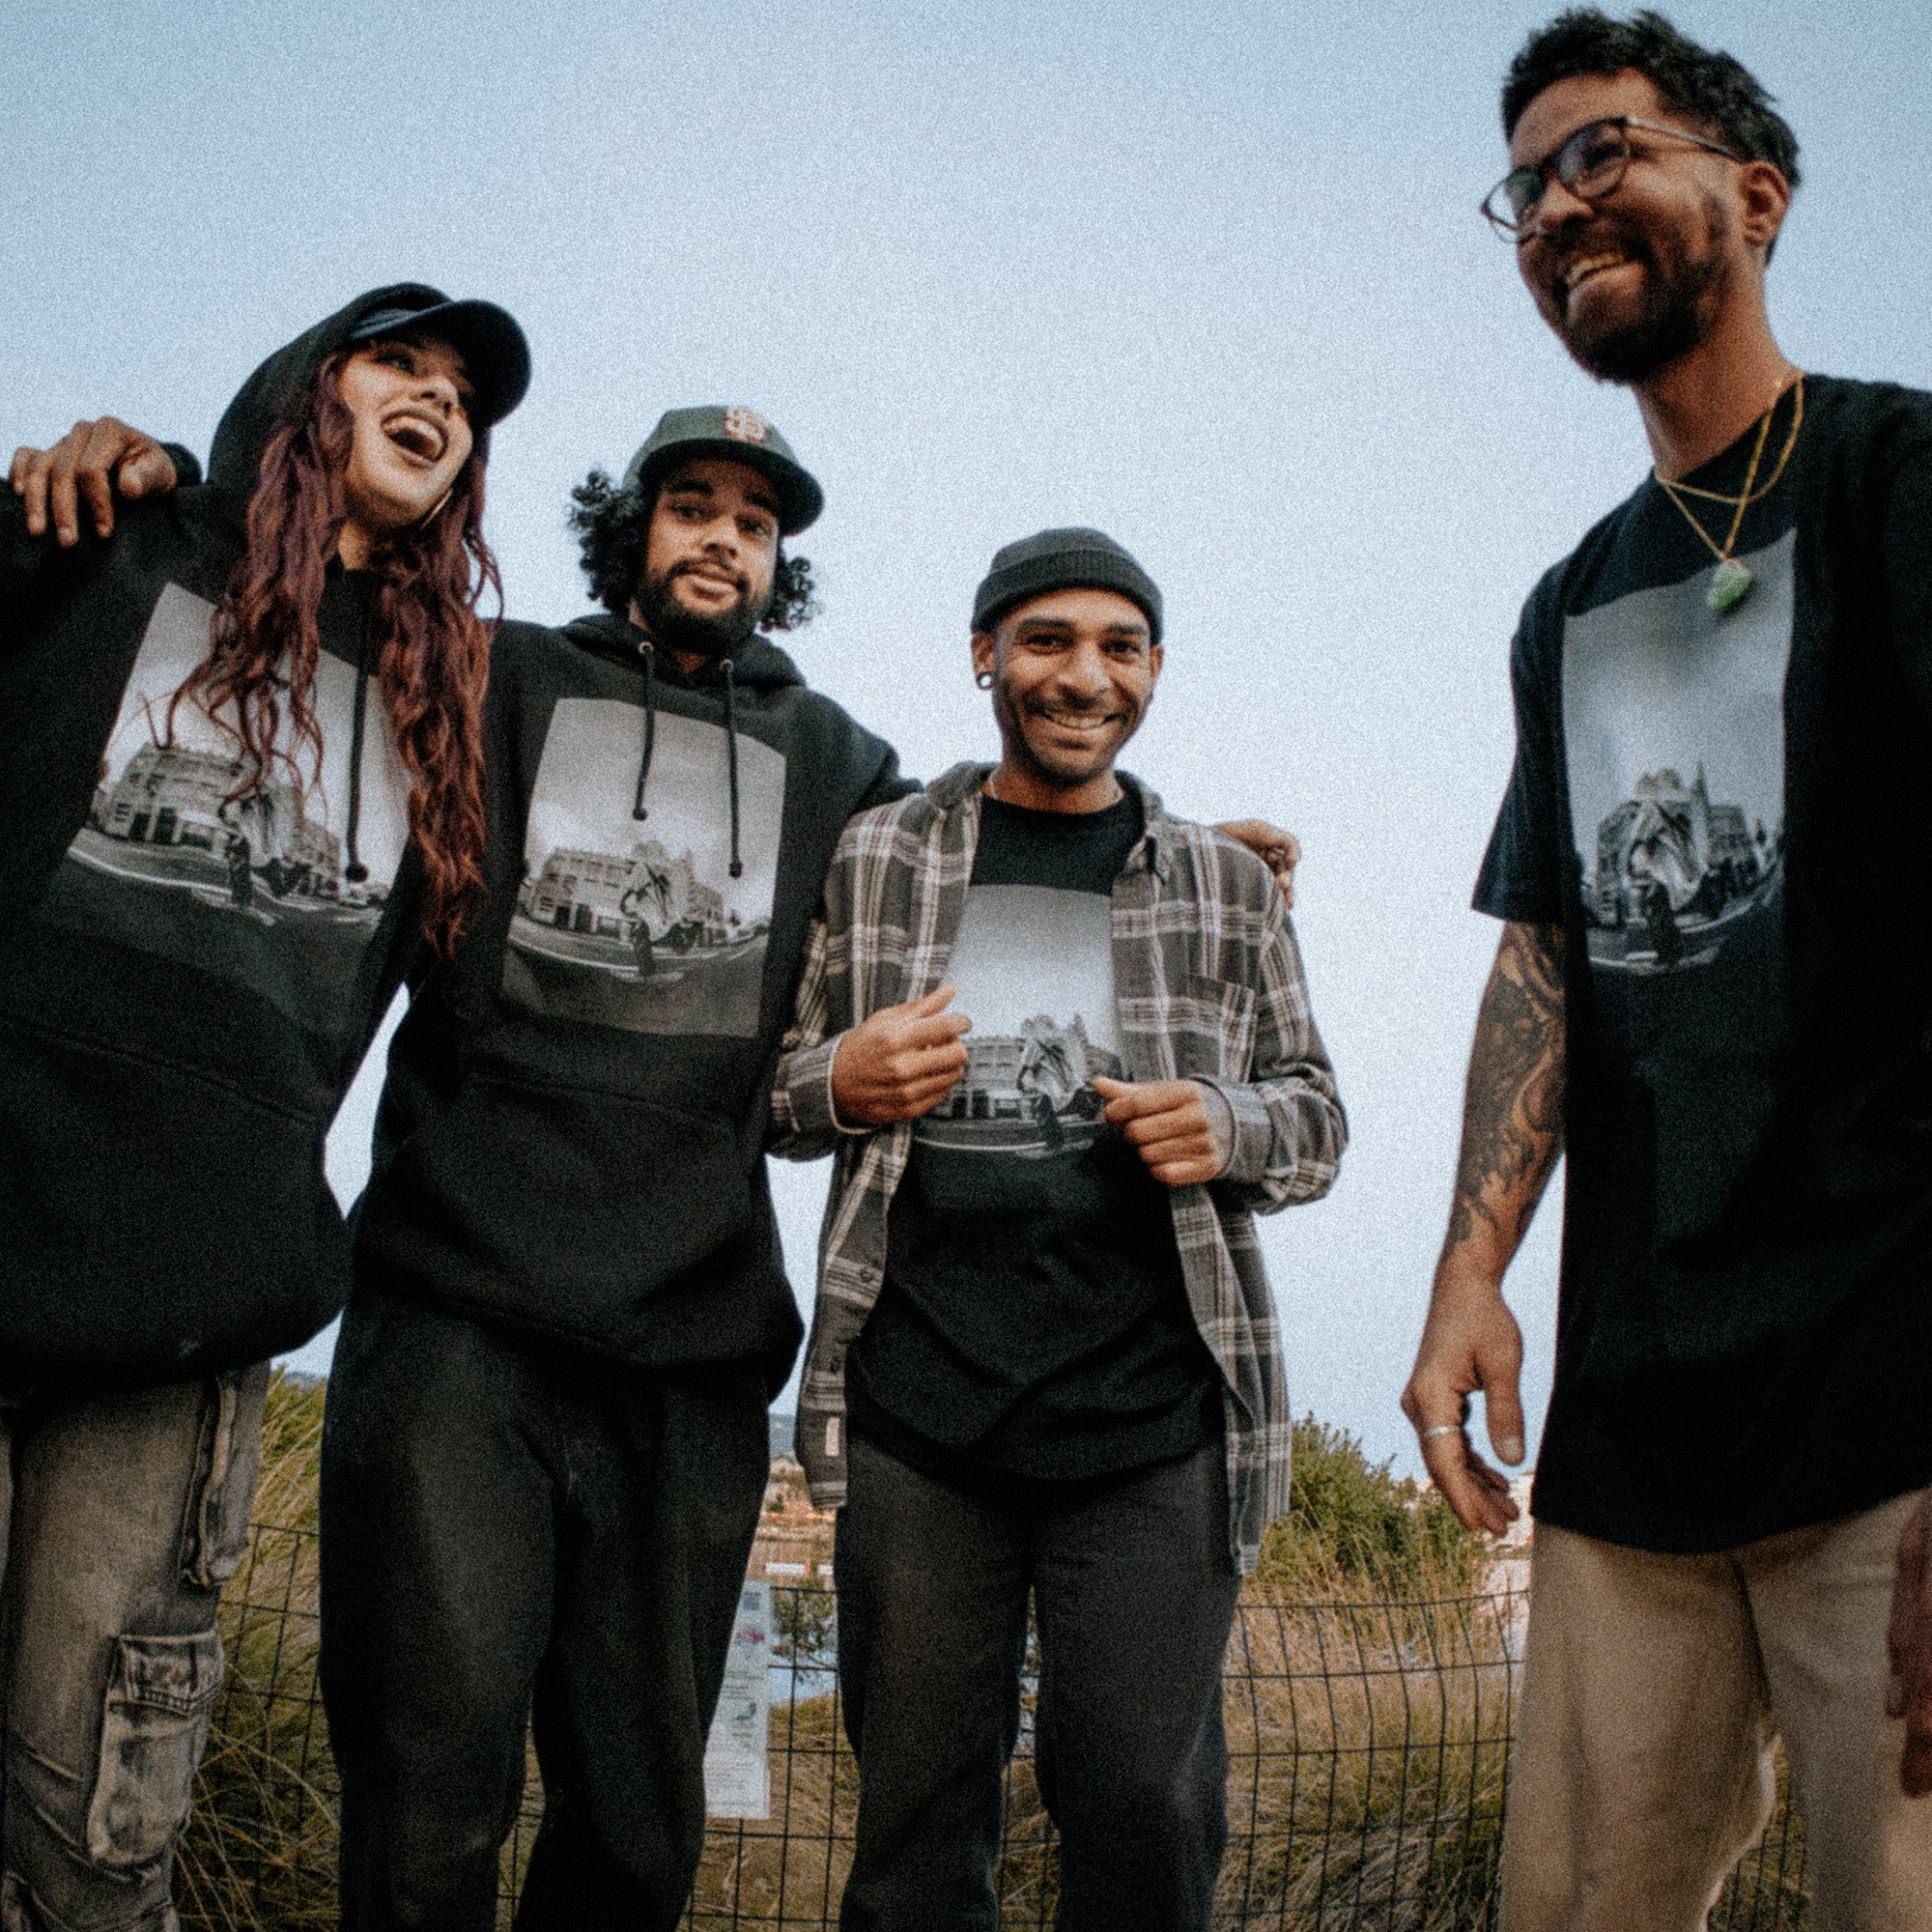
(488, 336)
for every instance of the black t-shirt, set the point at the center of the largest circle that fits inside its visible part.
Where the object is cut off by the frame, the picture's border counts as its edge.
(1033, 1319)
(1729, 813)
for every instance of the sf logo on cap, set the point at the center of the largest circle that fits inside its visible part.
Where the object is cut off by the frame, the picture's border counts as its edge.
(746, 425)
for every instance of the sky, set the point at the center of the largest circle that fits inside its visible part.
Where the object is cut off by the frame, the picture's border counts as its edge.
(1210, 277)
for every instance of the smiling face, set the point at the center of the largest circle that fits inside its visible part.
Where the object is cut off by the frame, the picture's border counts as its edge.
(409, 401)
(1639, 277)
(709, 558)
(1073, 673)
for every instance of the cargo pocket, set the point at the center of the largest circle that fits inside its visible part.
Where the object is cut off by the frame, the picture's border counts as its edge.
(228, 1459)
(151, 1736)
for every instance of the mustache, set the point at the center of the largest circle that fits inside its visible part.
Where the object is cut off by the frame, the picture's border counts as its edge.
(694, 567)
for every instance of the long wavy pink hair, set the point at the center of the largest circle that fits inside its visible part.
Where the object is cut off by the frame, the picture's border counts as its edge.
(433, 661)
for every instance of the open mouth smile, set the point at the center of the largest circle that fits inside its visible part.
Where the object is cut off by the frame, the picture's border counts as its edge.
(1089, 723)
(416, 434)
(1573, 274)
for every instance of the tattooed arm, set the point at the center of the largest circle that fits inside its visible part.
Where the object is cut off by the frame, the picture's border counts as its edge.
(1511, 1134)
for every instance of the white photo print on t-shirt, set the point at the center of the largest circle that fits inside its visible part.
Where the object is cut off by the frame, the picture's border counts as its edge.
(1032, 969)
(1673, 727)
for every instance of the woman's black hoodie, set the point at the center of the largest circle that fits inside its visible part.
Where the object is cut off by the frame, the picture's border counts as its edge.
(569, 1144)
(188, 982)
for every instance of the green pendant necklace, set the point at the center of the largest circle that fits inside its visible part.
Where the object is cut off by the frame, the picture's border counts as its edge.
(1732, 580)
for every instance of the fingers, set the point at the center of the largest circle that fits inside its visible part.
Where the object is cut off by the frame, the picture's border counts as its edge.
(1279, 850)
(1285, 865)
(63, 487)
(80, 473)
(1479, 1495)
(1502, 1410)
(1167, 1122)
(899, 1062)
(150, 470)
(28, 474)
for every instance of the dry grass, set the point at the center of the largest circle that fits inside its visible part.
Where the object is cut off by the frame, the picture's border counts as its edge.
(1369, 1743)
(260, 1847)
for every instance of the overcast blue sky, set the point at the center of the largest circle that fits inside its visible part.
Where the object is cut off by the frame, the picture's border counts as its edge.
(1210, 277)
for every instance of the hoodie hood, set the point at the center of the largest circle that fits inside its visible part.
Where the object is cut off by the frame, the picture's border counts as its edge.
(242, 434)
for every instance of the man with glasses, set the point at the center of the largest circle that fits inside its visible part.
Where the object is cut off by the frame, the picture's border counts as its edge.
(1712, 993)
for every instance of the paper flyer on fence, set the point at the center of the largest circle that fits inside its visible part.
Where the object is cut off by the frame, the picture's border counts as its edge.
(737, 1776)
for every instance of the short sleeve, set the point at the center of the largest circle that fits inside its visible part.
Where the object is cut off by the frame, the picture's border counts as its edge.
(1521, 877)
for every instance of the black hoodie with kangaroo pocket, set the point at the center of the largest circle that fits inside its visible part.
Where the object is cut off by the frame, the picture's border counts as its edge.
(570, 1141)
(188, 978)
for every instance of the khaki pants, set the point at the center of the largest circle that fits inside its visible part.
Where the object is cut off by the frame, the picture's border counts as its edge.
(1654, 1689)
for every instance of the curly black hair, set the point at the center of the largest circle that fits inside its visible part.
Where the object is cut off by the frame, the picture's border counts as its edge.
(612, 526)
(1710, 87)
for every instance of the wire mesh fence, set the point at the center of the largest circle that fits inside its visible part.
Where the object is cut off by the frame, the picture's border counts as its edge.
(1368, 1745)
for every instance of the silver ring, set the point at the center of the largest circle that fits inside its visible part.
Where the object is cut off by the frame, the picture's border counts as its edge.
(1442, 1429)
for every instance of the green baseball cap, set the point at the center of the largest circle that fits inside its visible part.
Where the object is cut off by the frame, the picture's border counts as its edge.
(739, 435)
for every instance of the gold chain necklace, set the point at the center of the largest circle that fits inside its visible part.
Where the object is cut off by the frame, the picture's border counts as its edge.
(1732, 579)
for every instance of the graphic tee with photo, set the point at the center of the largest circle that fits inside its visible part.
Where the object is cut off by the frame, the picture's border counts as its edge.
(1674, 738)
(259, 889)
(1034, 1317)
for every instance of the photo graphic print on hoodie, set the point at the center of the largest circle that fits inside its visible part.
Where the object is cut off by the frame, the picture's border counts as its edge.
(636, 922)
(279, 890)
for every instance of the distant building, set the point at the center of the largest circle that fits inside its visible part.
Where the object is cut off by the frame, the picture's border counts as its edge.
(1669, 835)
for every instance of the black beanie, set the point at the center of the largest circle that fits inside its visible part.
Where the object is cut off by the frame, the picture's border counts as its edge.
(1075, 559)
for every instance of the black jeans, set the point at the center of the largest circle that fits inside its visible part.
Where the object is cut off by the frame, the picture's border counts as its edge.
(508, 1528)
(1133, 1596)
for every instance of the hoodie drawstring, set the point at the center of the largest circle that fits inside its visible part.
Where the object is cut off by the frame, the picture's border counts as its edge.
(355, 872)
(731, 763)
(637, 807)
(650, 658)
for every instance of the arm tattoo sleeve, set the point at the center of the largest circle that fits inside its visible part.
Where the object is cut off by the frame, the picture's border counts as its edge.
(1513, 1110)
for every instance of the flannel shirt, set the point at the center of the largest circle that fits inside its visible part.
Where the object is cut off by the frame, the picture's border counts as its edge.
(1208, 985)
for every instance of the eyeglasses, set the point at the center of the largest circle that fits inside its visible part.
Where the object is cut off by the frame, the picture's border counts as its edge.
(1590, 163)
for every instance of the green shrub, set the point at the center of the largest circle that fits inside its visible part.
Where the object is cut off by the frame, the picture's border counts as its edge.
(1354, 1529)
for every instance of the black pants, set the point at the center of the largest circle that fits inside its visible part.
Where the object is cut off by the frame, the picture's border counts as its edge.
(508, 1529)
(1134, 1597)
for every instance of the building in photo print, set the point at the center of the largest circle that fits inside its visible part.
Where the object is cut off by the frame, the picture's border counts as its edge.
(1673, 873)
(175, 803)
(620, 912)
(1031, 1092)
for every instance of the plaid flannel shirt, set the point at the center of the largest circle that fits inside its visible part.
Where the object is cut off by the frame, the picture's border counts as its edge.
(1209, 985)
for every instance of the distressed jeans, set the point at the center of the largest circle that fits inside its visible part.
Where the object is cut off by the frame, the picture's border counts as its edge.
(121, 1517)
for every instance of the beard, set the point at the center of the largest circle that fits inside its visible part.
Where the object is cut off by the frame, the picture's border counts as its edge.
(677, 628)
(1681, 301)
